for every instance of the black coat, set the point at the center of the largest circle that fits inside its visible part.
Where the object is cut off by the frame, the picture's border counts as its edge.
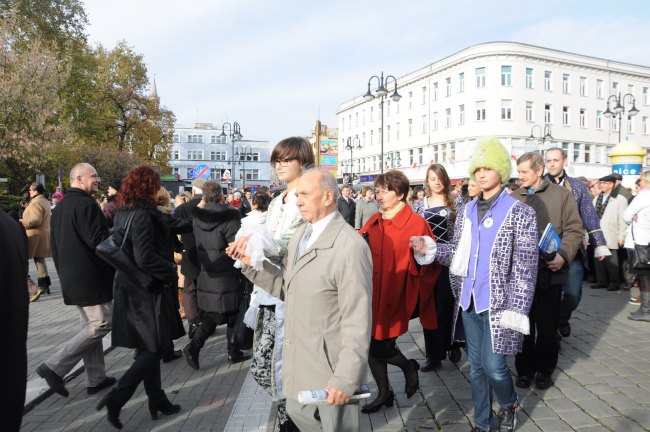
(219, 289)
(77, 227)
(189, 263)
(13, 321)
(347, 209)
(146, 319)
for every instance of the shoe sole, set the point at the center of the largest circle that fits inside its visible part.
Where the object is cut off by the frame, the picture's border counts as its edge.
(58, 390)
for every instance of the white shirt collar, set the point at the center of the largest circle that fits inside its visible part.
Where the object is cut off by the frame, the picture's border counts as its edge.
(317, 228)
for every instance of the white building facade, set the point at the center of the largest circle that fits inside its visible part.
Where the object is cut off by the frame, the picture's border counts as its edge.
(503, 89)
(203, 144)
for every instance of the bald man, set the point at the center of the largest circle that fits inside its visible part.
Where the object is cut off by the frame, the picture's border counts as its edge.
(326, 282)
(77, 227)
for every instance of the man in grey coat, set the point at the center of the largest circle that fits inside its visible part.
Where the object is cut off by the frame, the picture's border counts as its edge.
(326, 282)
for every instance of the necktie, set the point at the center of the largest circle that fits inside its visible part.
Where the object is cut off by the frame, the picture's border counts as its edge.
(304, 240)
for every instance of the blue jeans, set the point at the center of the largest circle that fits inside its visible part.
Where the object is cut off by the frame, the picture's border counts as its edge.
(488, 371)
(572, 289)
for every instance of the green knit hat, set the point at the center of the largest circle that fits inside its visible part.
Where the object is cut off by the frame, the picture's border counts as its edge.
(490, 153)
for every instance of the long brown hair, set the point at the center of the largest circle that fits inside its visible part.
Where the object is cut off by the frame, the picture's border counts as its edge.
(443, 177)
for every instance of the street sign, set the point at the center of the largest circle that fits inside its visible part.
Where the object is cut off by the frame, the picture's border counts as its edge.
(202, 171)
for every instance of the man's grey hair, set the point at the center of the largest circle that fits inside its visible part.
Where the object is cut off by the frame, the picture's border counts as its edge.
(326, 181)
(536, 160)
(77, 170)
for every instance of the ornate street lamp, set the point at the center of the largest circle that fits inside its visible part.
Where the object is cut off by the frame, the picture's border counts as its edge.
(382, 93)
(544, 134)
(350, 146)
(234, 132)
(243, 153)
(619, 109)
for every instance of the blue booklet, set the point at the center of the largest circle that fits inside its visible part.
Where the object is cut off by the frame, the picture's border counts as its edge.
(550, 241)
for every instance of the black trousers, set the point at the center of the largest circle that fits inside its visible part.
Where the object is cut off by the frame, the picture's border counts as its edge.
(146, 369)
(607, 271)
(210, 321)
(437, 342)
(540, 349)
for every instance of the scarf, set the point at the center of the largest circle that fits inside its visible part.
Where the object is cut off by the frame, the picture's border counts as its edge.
(601, 204)
(389, 214)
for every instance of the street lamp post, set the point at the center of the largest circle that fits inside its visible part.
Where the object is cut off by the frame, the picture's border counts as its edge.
(350, 146)
(619, 109)
(234, 132)
(544, 134)
(246, 152)
(382, 92)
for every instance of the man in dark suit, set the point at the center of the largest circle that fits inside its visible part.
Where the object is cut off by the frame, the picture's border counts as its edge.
(13, 321)
(189, 263)
(346, 206)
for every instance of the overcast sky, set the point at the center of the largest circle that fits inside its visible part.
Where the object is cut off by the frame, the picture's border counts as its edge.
(275, 66)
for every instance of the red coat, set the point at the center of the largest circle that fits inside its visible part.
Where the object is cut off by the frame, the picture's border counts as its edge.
(397, 280)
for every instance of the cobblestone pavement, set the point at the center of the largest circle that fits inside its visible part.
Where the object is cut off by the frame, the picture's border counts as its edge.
(602, 382)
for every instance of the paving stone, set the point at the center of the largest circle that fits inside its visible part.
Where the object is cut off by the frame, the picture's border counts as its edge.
(555, 425)
(622, 424)
(597, 408)
(577, 419)
(641, 416)
(541, 413)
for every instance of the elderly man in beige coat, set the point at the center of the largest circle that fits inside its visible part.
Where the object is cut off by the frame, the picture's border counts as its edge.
(326, 282)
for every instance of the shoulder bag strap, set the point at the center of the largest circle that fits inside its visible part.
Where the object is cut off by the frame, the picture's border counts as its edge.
(128, 226)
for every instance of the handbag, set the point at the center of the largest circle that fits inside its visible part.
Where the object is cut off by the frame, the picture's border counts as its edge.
(242, 336)
(641, 255)
(113, 253)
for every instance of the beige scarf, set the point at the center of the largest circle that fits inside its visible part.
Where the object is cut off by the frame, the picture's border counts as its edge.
(389, 214)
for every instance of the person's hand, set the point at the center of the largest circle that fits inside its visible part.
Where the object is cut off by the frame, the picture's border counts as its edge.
(621, 243)
(556, 263)
(239, 244)
(635, 218)
(336, 397)
(201, 204)
(418, 245)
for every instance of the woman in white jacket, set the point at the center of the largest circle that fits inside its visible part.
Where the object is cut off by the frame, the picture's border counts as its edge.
(638, 214)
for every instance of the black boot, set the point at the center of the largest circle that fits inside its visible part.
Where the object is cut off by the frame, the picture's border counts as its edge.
(44, 284)
(191, 352)
(410, 369)
(643, 313)
(379, 370)
(164, 406)
(433, 349)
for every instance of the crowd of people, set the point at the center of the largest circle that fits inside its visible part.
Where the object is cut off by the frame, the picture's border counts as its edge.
(328, 278)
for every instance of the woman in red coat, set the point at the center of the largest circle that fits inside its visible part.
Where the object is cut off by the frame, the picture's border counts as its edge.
(401, 286)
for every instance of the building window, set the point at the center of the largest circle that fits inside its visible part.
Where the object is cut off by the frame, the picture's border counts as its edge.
(480, 77)
(583, 86)
(576, 152)
(195, 138)
(372, 113)
(424, 124)
(587, 153)
(372, 137)
(218, 156)
(461, 114)
(599, 119)
(614, 88)
(461, 82)
(397, 130)
(548, 83)
(195, 155)
(176, 138)
(644, 125)
(411, 157)
(175, 171)
(583, 117)
(435, 121)
(420, 156)
(529, 78)
(213, 139)
(599, 89)
(565, 115)
(506, 75)
(530, 111)
(424, 95)
(565, 84)
(448, 84)
(356, 119)
(630, 89)
(448, 117)
(646, 96)
(410, 130)
(388, 133)
(410, 99)
(176, 154)
(630, 124)
(350, 119)
(435, 91)
(480, 111)
(342, 123)
(506, 109)
(388, 108)
(548, 117)
(613, 126)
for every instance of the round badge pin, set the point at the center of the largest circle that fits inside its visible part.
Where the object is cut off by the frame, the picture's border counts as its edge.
(487, 223)
(443, 212)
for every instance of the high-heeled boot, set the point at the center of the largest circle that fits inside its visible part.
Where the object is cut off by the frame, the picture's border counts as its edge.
(44, 284)
(164, 406)
(385, 396)
(113, 409)
(410, 369)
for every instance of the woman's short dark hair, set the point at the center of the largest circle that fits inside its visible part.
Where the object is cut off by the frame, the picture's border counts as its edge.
(365, 190)
(36, 186)
(212, 192)
(394, 181)
(141, 183)
(297, 148)
(262, 200)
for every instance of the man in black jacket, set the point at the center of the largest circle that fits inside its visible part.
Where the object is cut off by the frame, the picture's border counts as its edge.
(219, 290)
(77, 227)
(13, 321)
(346, 205)
(189, 263)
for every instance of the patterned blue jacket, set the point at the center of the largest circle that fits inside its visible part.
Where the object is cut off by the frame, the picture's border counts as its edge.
(586, 209)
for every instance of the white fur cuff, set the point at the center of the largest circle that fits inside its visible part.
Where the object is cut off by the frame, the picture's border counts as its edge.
(515, 321)
(602, 251)
(429, 256)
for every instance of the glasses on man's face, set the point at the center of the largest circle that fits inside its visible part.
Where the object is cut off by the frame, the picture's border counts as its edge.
(282, 163)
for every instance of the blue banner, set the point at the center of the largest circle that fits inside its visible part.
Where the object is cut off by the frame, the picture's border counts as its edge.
(627, 169)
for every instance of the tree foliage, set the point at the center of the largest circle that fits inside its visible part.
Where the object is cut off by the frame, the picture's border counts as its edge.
(63, 101)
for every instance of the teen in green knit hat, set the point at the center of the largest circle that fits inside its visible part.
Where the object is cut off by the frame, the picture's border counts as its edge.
(490, 153)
